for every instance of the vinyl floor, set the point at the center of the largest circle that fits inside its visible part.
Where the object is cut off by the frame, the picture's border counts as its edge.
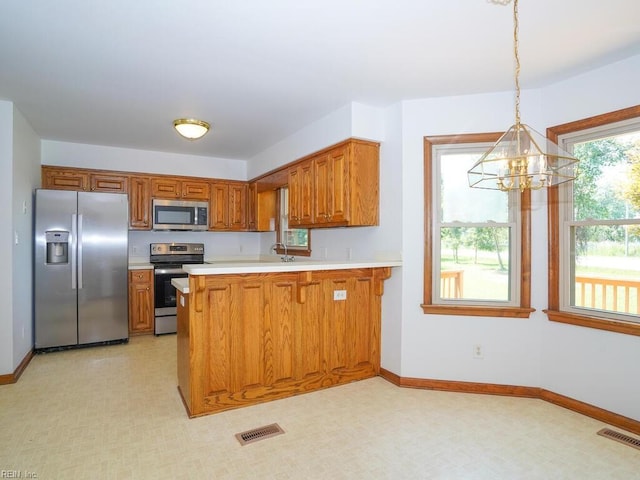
(114, 413)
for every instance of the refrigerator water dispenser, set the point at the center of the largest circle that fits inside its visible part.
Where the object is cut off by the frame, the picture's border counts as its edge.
(57, 247)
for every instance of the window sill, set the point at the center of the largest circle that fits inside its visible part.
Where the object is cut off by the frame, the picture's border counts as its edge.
(617, 326)
(478, 311)
(294, 251)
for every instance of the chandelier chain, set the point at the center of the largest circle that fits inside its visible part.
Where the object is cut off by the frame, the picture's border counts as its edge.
(517, 57)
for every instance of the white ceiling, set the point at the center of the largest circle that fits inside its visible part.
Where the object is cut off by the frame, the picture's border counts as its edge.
(118, 72)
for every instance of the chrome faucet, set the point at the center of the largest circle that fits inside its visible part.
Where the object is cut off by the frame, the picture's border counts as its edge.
(286, 258)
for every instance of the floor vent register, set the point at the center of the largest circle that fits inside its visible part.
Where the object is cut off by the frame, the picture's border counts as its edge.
(620, 437)
(260, 433)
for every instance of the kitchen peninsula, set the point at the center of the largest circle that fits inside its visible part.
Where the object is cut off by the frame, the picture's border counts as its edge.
(254, 332)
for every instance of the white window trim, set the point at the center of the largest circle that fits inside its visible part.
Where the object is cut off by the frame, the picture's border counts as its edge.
(565, 191)
(514, 225)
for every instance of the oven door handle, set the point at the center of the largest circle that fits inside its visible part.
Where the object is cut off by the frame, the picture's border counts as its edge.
(164, 271)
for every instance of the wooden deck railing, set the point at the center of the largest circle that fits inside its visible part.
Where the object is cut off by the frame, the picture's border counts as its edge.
(608, 294)
(451, 283)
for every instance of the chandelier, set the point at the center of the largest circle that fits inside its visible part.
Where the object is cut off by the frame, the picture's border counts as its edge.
(522, 159)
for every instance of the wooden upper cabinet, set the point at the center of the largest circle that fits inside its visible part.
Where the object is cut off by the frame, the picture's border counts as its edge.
(140, 203)
(331, 174)
(162, 187)
(238, 206)
(195, 190)
(228, 206)
(336, 187)
(78, 179)
(102, 182)
(301, 191)
(64, 178)
(176, 188)
(261, 208)
(219, 207)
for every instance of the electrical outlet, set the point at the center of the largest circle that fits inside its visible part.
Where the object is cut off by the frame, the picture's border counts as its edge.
(339, 294)
(478, 352)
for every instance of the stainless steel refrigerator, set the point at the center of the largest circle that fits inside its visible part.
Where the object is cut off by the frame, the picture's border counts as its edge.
(80, 268)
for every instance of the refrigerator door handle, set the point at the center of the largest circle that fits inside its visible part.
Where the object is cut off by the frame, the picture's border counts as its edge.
(79, 251)
(74, 242)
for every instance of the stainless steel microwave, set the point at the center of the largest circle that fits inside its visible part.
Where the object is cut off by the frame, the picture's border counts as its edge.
(180, 215)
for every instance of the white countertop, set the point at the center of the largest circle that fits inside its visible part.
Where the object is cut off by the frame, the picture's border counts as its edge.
(223, 268)
(181, 284)
(140, 266)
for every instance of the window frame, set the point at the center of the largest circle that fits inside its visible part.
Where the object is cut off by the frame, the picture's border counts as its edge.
(554, 311)
(482, 310)
(291, 250)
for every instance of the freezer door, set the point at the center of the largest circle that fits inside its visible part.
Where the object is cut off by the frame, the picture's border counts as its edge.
(55, 298)
(102, 267)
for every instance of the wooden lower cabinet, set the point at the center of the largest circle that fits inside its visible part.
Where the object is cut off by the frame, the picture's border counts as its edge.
(246, 339)
(141, 314)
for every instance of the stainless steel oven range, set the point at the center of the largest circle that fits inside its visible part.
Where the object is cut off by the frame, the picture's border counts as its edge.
(167, 260)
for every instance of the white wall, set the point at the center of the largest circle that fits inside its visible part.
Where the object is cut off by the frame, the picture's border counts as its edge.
(20, 165)
(6, 237)
(216, 244)
(130, 160)
(593, 366)
(26, 177)
(440, 346)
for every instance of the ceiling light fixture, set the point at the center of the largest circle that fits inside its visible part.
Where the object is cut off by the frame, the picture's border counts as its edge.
(517, 161)
(191, 128)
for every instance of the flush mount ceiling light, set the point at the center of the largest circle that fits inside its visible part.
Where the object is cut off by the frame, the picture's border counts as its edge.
(517, 161)
(191, 128)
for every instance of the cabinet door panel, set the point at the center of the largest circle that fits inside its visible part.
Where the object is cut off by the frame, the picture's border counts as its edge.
(247, 336)
(219, 207)
(309, 338)
(140, 301)
(139, 203)
(216, 346)
(335, 320)
(322, 178)
(362, 332)
(280, 346)
(195, 190)
(237, 207)
(306, 192)
(109, 183)
(165, 187)
(338, 186)
(64, 179)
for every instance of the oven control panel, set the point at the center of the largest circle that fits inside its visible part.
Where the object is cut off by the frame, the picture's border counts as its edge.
(177, 248)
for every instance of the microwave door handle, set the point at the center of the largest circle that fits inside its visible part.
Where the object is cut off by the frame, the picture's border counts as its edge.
(74, 243)
(80, 251)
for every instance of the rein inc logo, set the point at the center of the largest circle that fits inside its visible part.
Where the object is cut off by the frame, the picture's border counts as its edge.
(17, 474)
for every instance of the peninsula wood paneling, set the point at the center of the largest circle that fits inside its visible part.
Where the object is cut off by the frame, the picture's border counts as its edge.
(259, 337)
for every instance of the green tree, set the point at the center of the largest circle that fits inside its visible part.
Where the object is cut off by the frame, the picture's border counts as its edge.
(452, 237)
(632, 187)
(593, 199)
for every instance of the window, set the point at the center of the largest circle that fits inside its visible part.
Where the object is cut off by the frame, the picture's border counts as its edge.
(477, 258)
(595, 225)
(297, 240)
